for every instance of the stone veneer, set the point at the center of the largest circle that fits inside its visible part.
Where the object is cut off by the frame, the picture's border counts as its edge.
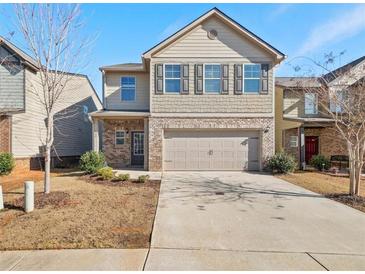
(158, 124)
(119, 156)
(5, 133)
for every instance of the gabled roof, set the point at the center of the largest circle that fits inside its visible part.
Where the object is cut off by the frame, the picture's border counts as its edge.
(124, 67)
(25, 58)
(329, 77)
(215, 11)
(298, 82)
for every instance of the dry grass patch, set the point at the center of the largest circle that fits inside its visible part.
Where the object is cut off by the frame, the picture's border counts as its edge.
(80, 214)
(333, 187)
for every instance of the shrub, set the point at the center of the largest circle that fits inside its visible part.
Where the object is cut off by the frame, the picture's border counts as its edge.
(143, 178)
(122, 177)
(320, 162)
(92, 161)
(282, 163)
(106, 173)
(7, 163)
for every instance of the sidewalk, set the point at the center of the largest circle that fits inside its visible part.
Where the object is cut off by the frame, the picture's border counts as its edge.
(74, 259)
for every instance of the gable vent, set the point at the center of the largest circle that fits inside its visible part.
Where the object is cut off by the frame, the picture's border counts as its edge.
(212, 34)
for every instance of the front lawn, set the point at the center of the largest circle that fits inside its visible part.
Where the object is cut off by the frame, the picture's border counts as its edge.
(81, 214)
(333, 187)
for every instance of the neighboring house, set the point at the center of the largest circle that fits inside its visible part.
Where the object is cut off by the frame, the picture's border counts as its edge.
(202, 99)
(22, 117)
(302, 128)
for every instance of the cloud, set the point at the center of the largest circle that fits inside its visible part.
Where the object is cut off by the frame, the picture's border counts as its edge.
(172, 28)
(280, 10)
(335, 29)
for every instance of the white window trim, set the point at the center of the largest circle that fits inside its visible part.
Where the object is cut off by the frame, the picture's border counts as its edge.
(164, 79)
(315, 101)
(115, 137)
(337, 108)
(243, 79)
(135, 88)
(220, 79)
(293, 141)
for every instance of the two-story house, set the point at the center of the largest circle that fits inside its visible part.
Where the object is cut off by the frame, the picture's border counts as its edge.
(303, 127)
(202, 99)
(22, 115)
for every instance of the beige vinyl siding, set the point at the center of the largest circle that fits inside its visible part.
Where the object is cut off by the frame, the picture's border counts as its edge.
(228, 44)
(211, 103)
(72, 127)
(11, 82)
(292, 103)
(113, 92)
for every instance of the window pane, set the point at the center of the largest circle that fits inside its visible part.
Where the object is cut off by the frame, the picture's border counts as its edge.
(252, 85)
(212, 71)
(310, 104)
(119, 133)
(128, 94)
(128, 81)
(213, 85)
(172, 71)
(119, 141)
(172, 85)
(252, 71)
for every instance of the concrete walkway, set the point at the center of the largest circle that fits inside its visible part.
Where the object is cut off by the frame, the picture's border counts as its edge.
(74, 259)
(242, 221)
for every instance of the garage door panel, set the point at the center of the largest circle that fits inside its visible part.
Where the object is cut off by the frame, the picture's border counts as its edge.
(211, 150)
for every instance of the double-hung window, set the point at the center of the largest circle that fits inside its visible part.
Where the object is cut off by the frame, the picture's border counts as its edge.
(128, 88)
(310, 103)
(172, 78)
(119, 137)
(252, 78)
(212, 78)
(336, 99)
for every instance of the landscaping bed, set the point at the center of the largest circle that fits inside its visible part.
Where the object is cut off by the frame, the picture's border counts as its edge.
(333, 187)
(81, 212)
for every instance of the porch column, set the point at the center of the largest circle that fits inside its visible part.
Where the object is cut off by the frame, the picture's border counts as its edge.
(95, 135)
(301, 148)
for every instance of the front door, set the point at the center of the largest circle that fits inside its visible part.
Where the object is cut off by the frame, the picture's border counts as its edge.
(311, 147)
(137, 147)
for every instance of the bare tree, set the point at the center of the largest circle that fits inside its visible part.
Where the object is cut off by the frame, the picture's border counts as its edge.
(341, 97)
(52, 33)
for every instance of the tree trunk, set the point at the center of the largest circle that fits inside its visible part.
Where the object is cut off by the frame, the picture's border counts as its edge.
(352, 170)
(47, 170)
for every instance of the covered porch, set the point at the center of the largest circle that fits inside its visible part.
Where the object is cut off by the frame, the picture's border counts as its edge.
(313, 136)
(123, 136)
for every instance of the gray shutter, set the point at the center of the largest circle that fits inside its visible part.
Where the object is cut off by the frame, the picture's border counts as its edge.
(264, 78)
(225, 77)
(238, 79)
(199, 79)
(184, 69)
(159, 78)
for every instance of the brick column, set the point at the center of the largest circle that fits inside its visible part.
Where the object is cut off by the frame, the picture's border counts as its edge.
(5, 133)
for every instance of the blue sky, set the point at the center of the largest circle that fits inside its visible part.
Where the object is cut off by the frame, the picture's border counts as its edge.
(125, 31)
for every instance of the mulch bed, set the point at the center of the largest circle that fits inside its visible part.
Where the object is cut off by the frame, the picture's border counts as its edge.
(55, 199)
(114, 182)
(357, 202)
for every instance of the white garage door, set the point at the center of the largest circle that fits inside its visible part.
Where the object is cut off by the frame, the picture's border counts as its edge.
(211, 150)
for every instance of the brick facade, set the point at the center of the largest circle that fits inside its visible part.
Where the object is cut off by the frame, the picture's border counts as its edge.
(5, 133)
(158, 124)
(119, 156)
(330, 142)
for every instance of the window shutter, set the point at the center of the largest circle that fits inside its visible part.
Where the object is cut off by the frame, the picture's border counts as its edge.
(238, 79)
(158, 78)
(184, 79)
(199, 79)
(264, 78)
(225, 77)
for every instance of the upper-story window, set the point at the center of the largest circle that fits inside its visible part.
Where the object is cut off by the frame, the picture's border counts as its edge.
(310, 103)
(128, 88)
(336, 101)
(212, 78)
(172, 78)
(251, 78)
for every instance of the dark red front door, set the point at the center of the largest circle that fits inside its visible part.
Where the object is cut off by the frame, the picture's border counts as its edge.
(311, 147)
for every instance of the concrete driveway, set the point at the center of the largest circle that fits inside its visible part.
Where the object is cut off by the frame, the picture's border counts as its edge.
(243, 221)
